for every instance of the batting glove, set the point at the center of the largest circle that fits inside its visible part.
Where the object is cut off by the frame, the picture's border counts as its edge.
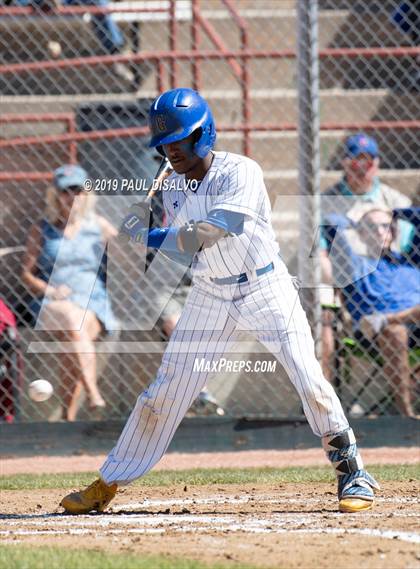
(136, 223)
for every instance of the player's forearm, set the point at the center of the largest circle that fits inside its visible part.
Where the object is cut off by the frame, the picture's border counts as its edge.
(208, 234)
(197, 236)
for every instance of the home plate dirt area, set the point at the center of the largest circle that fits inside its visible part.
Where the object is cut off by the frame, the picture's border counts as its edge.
(286, 525)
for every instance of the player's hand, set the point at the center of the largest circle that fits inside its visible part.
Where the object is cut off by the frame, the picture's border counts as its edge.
(135, 222)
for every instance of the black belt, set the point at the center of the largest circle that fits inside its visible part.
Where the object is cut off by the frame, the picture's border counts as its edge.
(243, 277)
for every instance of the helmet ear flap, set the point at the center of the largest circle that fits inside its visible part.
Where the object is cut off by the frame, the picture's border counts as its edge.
(204, 141)
(197, 134)
(159, 148)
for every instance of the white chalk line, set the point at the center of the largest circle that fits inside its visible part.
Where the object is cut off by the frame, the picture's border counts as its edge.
(221, 499)
(278, 522)
(231, 528)
(202, 523)
(116, 518)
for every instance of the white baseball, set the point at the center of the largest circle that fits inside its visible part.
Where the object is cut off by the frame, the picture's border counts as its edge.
(40, 390)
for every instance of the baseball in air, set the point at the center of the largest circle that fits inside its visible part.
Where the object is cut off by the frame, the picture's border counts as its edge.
(40, 390)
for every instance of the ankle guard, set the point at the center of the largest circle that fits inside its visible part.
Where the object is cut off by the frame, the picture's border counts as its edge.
(342, 451)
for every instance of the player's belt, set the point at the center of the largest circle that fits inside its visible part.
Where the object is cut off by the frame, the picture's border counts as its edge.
(243, 277)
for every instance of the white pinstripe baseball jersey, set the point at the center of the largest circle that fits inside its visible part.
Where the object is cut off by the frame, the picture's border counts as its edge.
(233, 183)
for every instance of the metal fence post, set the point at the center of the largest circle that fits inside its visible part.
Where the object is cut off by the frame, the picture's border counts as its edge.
(309, 160)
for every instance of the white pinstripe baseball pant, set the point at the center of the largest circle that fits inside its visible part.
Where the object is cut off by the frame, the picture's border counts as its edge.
(208, 327)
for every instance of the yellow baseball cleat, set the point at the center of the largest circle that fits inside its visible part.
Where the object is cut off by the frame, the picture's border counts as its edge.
(95, 497)
(354, 505)
(355, 492)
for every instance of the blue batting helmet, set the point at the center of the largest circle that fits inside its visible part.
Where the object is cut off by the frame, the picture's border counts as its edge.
(176, 114)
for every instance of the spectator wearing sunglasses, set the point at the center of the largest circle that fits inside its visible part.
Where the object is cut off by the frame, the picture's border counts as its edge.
(359, 185)
(62, 270)
(381, 292)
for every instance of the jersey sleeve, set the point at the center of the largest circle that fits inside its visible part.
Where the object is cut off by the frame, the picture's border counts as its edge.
(240, 190)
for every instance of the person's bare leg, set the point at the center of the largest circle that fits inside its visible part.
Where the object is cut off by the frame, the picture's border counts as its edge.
(407, 316)
(79, 372)
(86, 360)
(393, 341)
(79, 330)
(73, 401)
(67, 386)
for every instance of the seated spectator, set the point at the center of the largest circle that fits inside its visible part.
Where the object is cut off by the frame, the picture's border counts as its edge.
(63, 255)
(381, 291)
(104, 26)
(359, 185)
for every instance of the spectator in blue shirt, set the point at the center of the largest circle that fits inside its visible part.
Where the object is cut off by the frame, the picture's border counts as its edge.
(360, 185)
(381, 291)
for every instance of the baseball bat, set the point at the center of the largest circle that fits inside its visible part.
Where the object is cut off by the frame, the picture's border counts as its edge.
(164, 170)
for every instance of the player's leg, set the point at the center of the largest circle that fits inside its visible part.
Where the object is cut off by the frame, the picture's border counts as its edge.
(274, 311)
(204, 331)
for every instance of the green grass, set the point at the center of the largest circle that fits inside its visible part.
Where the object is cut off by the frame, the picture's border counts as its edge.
(25, 557)
(199, 477)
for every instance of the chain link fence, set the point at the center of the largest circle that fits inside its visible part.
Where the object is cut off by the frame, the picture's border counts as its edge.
(77, 78)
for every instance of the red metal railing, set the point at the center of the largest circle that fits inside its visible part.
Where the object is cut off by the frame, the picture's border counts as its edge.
(68, 119)
(144, 131)
(207, 54)
(240, 71)
(157, 58)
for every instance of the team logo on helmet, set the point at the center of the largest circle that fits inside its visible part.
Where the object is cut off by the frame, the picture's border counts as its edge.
(161, 122)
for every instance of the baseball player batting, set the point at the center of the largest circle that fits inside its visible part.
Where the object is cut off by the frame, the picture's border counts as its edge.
(219, 219)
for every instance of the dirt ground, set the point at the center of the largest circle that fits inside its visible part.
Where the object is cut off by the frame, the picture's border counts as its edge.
(287, 525)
